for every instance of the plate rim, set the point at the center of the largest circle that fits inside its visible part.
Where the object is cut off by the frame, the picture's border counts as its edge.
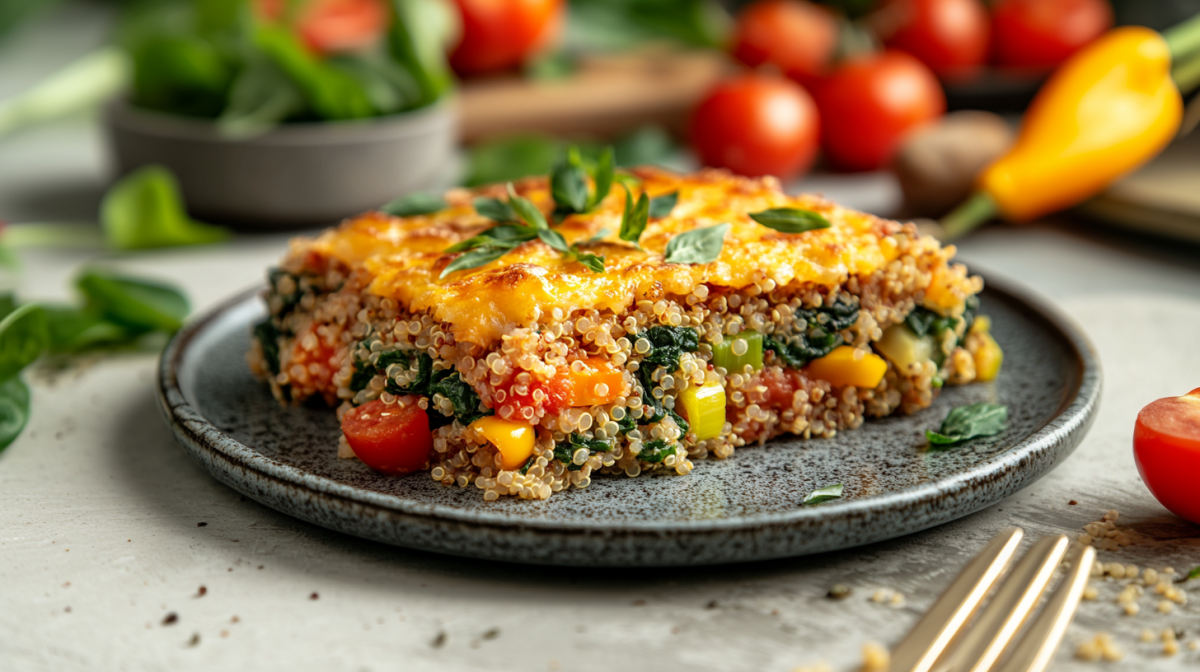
(206, 443)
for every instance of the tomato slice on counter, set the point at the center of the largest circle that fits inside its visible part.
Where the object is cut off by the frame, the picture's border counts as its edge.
(1166, 447)
(390, 438)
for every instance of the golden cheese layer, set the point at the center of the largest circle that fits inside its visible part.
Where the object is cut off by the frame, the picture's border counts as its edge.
(533, 284)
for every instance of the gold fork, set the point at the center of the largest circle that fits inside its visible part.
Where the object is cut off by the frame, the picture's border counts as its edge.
(947, 639)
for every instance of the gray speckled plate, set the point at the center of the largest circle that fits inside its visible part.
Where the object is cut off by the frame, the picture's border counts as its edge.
(744, 508)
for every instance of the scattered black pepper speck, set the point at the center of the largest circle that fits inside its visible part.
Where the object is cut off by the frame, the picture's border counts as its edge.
(260, 566)
(170, 619)
(711, 605)
(235, 619)
(639, 603)
(202, 592)
(492, 634)
(195, 640)
(1072, 503)
(314, 596)
(67, 609)
(201, 524)
(439, 641)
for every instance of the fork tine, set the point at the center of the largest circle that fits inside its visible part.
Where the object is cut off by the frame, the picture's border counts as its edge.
(1041, 640)
(928, 638)
(978, 649)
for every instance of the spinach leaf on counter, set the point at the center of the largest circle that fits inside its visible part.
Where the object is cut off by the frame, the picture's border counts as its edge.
(145, 209)
(14, 409)
(968, 422)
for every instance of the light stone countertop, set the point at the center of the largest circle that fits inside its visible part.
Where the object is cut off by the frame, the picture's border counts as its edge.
(99, 508)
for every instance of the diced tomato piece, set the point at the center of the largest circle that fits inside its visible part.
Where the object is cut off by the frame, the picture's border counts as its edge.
(390, 438)
(543, 396)
(781, 387)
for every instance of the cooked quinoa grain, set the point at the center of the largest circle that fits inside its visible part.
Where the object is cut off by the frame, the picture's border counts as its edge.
(360, 316)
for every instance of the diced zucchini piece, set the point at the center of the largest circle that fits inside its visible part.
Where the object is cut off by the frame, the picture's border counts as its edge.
(735, 352)
(705, 409)
(902, 347)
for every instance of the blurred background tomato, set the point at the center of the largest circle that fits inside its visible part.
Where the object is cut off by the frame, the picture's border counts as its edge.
(499, 34)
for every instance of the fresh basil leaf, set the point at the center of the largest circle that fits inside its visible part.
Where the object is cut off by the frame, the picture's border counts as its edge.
(554, 239)
(509, 235)
(23, 338)
(526, 210)
(825, 494)
(627, 180)
(599, 236)
(73, 330)
(968, 422)
(661, 206)
(568, 183)
(790, 220)
(132, 302)
(495, 210)
(698, 246)
(421, 34)
(635, 218)
(602, 176)
(262, 96)
(330, 92)
(594, 262)
(416, 203)
(14, 409)
(474, 259)
(144, 210)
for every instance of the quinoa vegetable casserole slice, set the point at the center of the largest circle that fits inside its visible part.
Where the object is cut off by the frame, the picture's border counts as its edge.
(569, 345)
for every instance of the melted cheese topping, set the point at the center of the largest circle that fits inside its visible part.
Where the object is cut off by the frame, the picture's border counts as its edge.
(403, 257)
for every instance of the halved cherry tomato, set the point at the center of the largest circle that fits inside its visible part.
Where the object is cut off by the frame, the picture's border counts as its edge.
(949, 36)
(499, 34)
(870, 103)
(795, 36)
(757, 125)
(331, 26)
(1166, 447)
(1040, 34)
(586, 382)
(391, 438)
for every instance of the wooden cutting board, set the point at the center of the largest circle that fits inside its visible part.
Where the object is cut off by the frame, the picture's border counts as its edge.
(605, 96)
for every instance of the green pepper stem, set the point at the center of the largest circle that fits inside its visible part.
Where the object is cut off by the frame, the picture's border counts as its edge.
(974, 211)
(1183, 39)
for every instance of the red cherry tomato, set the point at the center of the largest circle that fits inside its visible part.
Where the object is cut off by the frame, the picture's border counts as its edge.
(795, 36)
(391, 438)
(870, 103)
(949, 36)
(331, 26)
(757, 125)
(499, 34)
(1040, 34)
(1166, 447)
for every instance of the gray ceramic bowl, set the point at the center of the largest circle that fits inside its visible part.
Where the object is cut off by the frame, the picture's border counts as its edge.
(295, 175)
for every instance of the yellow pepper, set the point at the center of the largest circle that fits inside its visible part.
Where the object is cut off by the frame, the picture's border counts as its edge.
(704, 406)
(514, 440)
(841, 368)
(1107, 110)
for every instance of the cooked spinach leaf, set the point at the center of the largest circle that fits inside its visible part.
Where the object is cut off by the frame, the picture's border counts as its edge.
(268, 337)
(656, 451)
(818, 339)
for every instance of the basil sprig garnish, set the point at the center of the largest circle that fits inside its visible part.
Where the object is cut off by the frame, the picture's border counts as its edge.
(568, 182)
(968, 422)
(698, 246)
(635, 218)
(520, 221)
(825, 494)
(790, 220)
(661, 206)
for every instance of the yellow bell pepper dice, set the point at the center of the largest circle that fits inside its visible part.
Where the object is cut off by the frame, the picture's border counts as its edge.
(1107, 110)
(704, 407)
(514, 440)
(988, 358)
(840, 368)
